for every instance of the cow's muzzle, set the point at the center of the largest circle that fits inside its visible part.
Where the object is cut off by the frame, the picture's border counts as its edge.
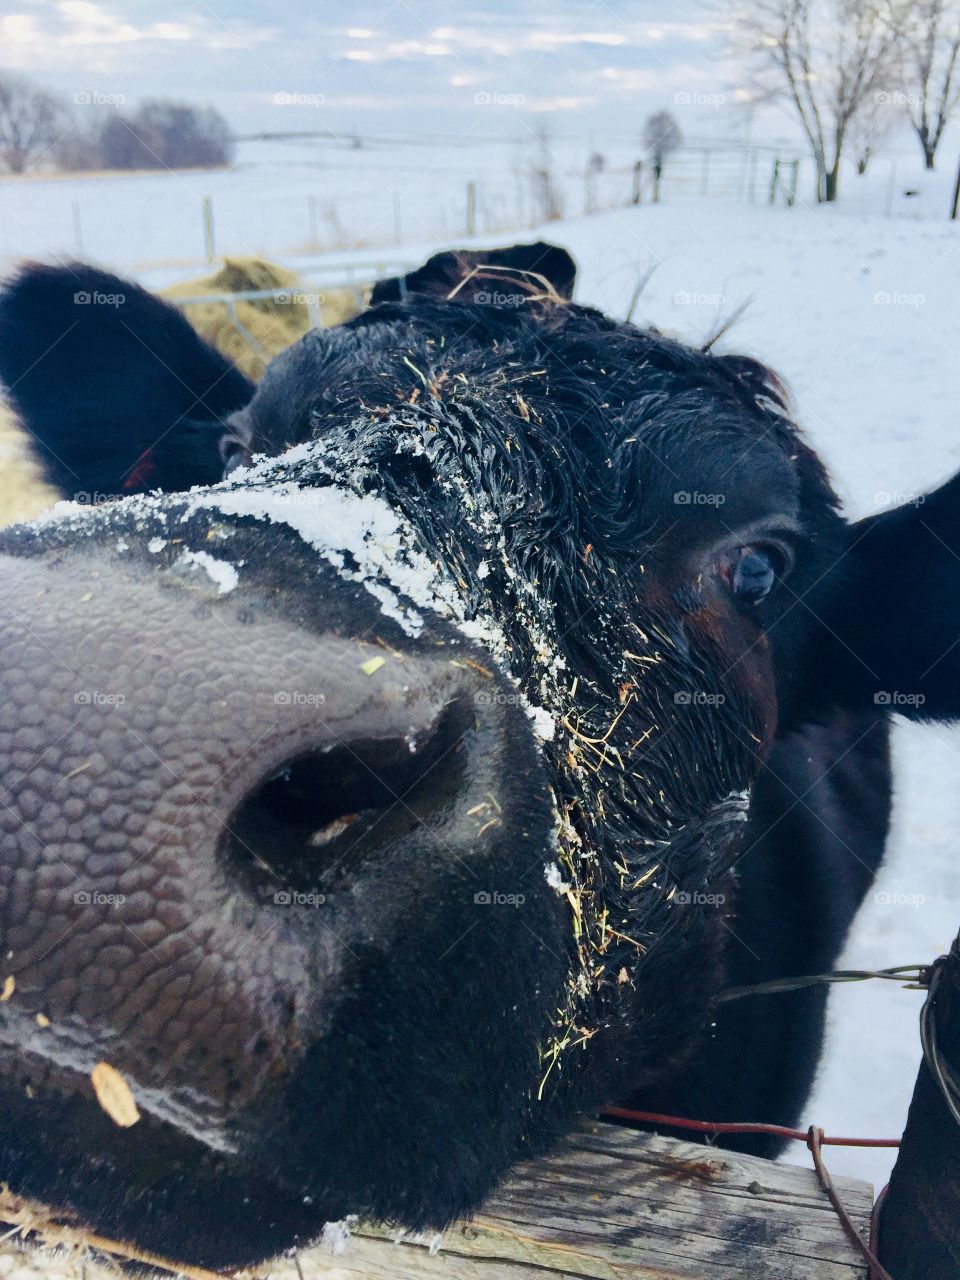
(200, 804)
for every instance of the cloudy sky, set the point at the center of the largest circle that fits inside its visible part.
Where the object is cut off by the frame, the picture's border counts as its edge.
(391, 65)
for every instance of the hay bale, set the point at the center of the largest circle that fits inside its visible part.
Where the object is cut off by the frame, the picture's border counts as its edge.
(24, 493)
(259, 329)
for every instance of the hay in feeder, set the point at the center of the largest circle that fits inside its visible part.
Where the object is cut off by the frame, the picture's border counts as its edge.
(24, 493)
(252, 331)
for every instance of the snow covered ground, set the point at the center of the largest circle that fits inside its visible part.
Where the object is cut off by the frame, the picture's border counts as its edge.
(287, 197)
(860, 314)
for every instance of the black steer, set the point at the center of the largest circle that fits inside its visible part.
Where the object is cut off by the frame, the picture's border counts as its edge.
(377, 810)
(533, 265)
(119, 393)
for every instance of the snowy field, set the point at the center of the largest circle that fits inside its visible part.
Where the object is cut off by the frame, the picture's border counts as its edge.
(296, 197)
(859, 313)
(287, 197)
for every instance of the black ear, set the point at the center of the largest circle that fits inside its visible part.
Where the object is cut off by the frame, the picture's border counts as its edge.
(898, 624)
(440, 275)
(115, 389)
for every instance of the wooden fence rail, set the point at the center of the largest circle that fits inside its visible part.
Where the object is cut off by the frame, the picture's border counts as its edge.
(608, 1204)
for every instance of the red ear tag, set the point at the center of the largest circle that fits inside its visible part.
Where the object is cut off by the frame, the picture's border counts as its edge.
(140, 472)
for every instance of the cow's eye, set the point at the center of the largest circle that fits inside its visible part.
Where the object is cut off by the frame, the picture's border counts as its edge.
(752, 570)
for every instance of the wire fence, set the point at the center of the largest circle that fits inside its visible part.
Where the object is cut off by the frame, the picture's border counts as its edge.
(517, 201)
(280, 208)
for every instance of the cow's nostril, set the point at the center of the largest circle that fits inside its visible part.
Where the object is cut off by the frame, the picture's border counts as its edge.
(316, 818)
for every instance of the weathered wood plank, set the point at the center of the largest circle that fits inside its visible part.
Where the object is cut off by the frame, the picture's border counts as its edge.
(608, 1204)
(611, 1203)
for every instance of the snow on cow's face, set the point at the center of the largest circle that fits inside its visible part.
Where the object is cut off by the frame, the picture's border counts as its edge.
(415, 757)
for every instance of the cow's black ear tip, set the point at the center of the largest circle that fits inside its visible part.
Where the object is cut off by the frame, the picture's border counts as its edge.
(540, 261)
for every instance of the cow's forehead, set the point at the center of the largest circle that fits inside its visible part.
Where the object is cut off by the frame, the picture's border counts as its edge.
(546, 374)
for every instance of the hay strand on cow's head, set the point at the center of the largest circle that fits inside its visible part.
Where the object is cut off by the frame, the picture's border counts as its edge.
(535, 287)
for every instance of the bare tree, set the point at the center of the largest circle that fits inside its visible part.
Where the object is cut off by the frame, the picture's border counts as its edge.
(929, 33)
(30, 122)
(661, 135)
(167, 135)
(826, 59)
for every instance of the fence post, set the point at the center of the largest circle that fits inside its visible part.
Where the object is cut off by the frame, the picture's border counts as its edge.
(891, 187)
(77, 229)
(471, 208)
(956, 197)
(794, 180)
(657, 175)
(774, 181)
(637, 175)
(209, 231)
(752, 178)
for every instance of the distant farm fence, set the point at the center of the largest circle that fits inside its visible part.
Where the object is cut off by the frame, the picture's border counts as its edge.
(163, 220)
(542, 195)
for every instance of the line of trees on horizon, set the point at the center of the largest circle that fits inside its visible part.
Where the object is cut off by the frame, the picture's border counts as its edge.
(41, 129)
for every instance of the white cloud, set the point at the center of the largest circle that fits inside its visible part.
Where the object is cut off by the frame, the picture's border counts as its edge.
(555, 39)
(632, 79)
(88, 24)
